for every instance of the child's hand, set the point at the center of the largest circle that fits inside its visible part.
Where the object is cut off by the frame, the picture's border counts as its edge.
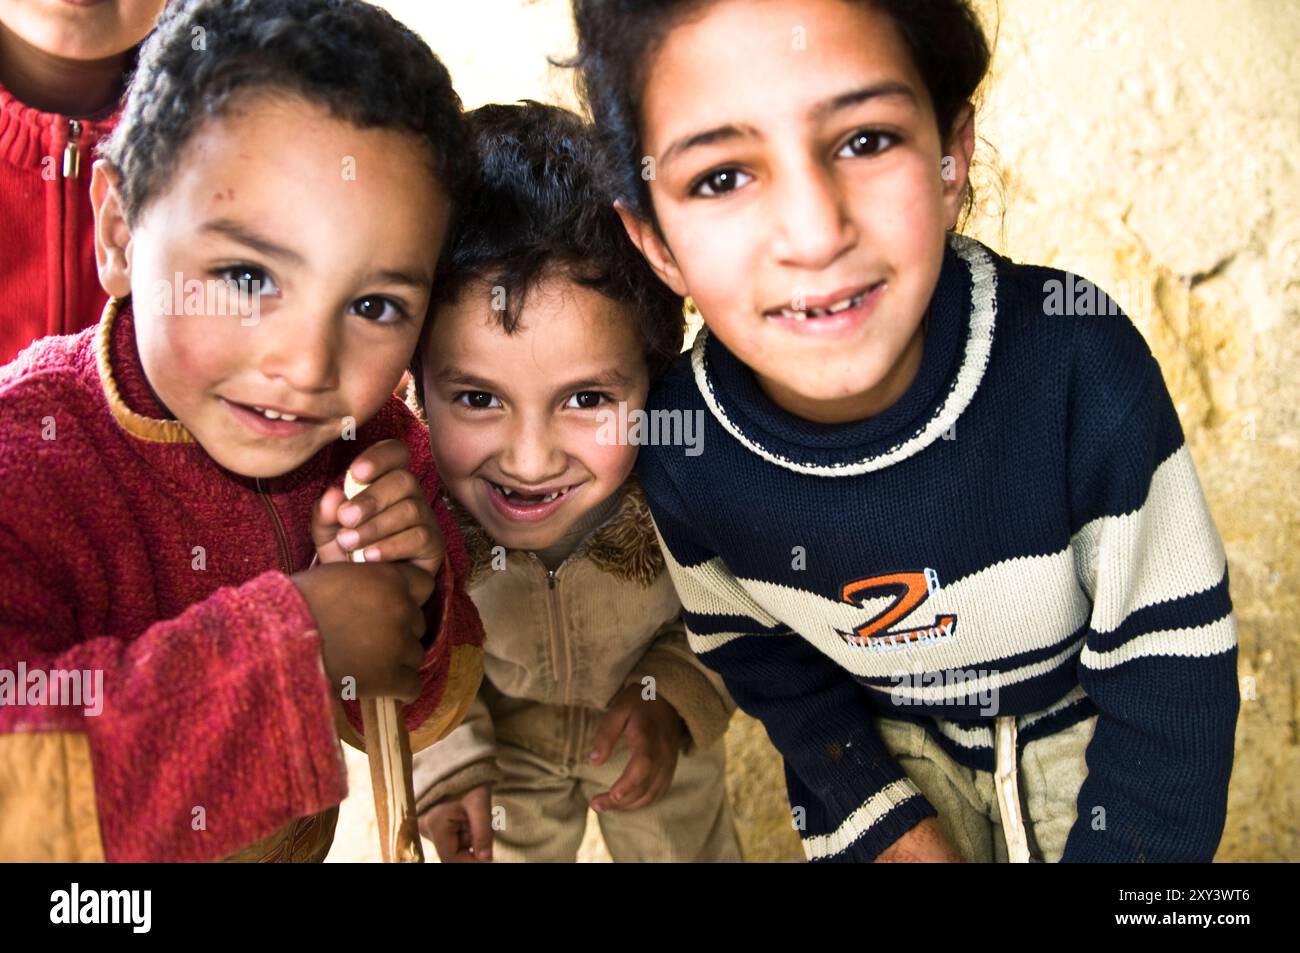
(655, 733)
(461, 827)
(370, 624)
(390, 518)
(923, 844)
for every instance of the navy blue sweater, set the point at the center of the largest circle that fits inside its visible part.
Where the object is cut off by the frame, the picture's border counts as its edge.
(1023, 533)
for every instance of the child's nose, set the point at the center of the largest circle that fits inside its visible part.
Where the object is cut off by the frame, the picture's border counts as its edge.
(531, 457)
(302, 349)
(810, 216)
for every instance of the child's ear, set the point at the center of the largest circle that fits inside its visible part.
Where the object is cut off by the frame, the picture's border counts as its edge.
(112, 233)
(956, 163)
(646, 238)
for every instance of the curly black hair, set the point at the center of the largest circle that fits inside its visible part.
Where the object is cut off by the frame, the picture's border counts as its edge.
(618, 38)
(346, 55)
(535, 207)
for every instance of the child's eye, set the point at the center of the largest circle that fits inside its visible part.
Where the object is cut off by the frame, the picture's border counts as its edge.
(379, 309)
(867, 142)
(719, 182)
(586, 400)
(250, 277)
(477, 400)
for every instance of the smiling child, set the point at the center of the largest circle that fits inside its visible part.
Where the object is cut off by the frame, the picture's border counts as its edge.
(173, 475)
(547, 323)
(950, 547)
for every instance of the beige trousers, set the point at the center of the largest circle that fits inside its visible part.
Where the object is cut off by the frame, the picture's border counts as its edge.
(540, 809)
(1052, 770)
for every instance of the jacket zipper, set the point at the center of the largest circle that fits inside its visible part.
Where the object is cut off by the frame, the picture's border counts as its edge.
(561, 643)
(557, 623)
(68, 247)
(72, 151)
(557, 628)
(281, 539)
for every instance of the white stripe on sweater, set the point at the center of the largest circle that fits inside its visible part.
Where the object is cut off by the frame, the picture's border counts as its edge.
(1166, 550)
(1201, 641)
(1015, 606)
(876, 807)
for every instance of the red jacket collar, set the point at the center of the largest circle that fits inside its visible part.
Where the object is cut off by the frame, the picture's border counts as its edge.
(28, 136)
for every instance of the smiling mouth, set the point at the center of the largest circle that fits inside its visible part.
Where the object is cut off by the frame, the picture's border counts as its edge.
(832, 309)
(519, 498)
(271, 413)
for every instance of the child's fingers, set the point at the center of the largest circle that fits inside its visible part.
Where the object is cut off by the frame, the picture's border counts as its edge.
(633, 783)
(661, 779)
(381, 458)
(419, 584)
(382, 531)
(417, 544)
(444, 830)
(326, 512)
(325, 527)
(381, 495)
(607, 735)
(479, 810)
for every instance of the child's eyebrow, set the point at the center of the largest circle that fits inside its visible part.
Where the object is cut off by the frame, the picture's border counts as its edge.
(610, 377)
(419, 280)
(454, 375)
(819, 112)
(413, 278)
(240, 233)
(856, 97)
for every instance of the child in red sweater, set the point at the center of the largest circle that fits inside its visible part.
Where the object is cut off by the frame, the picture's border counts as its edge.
(180, 628)
(63, 67)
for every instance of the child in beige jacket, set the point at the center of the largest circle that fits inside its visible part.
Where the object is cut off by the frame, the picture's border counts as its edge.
(540, 349)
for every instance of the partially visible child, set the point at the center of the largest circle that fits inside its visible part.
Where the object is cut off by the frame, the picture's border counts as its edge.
(269, 215)
(63, 68)
(548, 327)
(945, 538)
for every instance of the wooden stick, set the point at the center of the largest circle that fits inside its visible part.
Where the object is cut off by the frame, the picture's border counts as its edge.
(388, 747)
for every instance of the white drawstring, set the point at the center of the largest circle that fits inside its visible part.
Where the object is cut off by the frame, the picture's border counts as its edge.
(1008, 788)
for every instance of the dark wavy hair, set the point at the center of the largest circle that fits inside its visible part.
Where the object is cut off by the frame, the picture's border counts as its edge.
(348, 56)
(535, 207)
(618, 38)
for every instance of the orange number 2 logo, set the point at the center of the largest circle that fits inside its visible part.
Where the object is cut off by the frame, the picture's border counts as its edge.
(911, 589)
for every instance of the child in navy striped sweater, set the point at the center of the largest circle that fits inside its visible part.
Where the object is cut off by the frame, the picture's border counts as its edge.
(946, 542)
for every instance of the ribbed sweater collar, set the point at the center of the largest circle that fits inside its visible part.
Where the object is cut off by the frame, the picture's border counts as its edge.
(959, 338)
(28, 136)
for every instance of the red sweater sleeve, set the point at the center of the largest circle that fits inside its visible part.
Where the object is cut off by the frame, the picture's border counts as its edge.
(205, 732)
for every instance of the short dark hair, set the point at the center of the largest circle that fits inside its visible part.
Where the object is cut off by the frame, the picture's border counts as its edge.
(346, 55)
(617, 38)
(535, 208)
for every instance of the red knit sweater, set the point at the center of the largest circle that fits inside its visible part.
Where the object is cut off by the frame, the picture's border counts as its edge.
(47, 244)
(214, 691)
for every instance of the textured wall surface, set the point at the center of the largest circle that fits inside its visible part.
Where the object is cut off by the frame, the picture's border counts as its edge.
(1152, 146)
